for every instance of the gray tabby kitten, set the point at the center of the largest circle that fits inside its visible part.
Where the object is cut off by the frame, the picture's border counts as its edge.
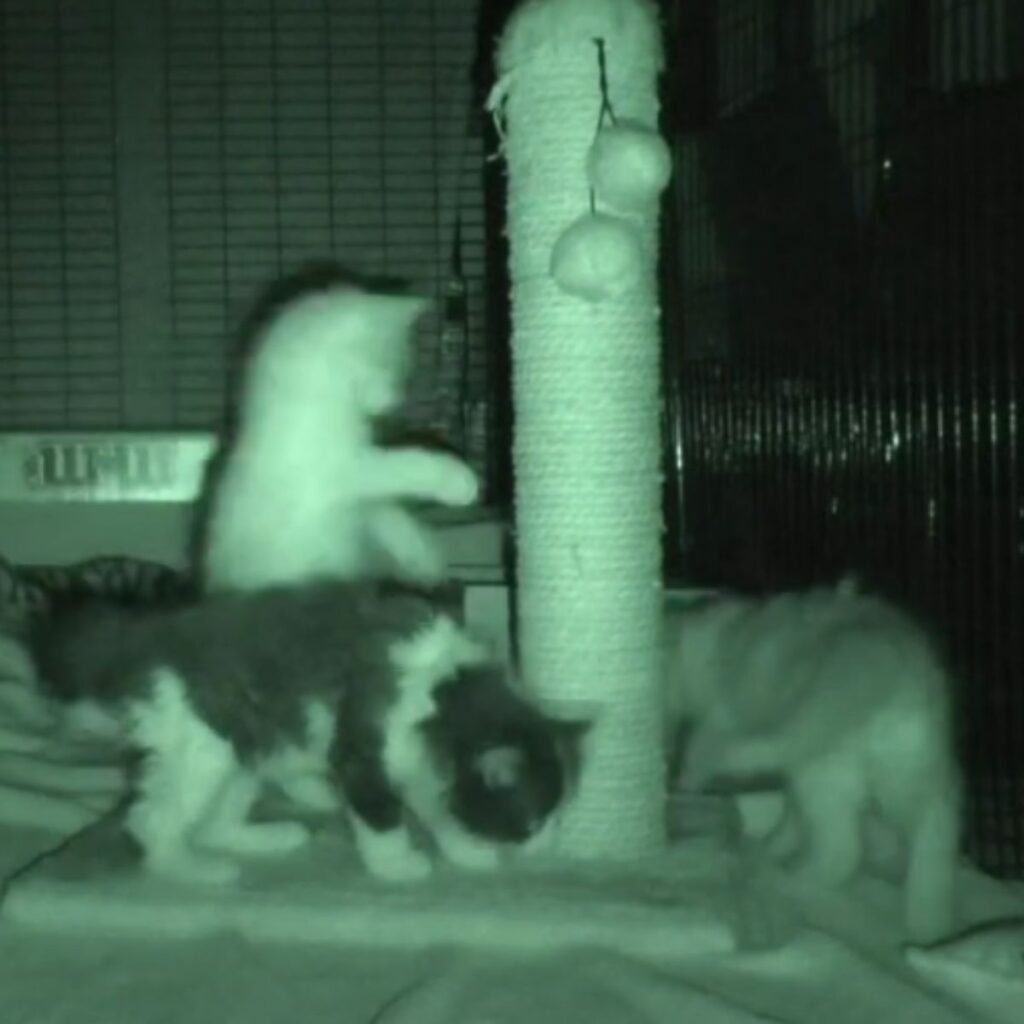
(845, 698)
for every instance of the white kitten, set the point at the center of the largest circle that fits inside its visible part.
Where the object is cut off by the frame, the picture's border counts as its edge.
(302, 490)
(845, 698)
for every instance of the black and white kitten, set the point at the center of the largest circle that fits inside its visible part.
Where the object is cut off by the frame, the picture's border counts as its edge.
(412, 717)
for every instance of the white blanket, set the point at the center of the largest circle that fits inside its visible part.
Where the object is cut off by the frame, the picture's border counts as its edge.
(310, 943)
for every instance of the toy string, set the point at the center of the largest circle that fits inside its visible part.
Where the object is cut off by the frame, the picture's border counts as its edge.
(606, 110)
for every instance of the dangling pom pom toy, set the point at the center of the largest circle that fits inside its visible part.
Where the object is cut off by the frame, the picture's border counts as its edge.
(628, 165)
(597, 257)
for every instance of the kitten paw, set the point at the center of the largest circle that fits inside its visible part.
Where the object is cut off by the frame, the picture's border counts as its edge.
(391, 855)
(469, 853)
(271, 838)
(414, 866)
(461, 486)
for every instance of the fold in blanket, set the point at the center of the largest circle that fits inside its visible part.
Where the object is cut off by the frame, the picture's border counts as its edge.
(47, 781)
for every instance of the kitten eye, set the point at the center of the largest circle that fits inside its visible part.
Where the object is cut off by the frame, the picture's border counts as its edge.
(500, 766)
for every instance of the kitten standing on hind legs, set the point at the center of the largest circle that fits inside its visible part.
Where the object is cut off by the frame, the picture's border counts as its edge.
(844, 698)
(300, 488)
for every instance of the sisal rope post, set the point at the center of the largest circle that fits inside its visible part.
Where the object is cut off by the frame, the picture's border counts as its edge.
(583, 234)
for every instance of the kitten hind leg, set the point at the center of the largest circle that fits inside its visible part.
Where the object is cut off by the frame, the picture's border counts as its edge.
(227, 829)
(300, 771)
(185, 765)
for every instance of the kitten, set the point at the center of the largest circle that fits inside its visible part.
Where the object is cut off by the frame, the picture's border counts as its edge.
(299, 488)
(845, 698)
(413, 719)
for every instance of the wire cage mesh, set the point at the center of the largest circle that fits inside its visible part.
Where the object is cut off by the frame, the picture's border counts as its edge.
(162, 162)
(846, 389)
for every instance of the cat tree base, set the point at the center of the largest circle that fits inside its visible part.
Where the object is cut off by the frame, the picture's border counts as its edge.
(666, 907)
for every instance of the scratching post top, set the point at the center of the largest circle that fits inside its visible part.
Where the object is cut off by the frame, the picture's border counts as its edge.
(539, 26)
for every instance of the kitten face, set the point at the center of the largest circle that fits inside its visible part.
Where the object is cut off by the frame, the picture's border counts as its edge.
(507, 793)
(382, 327)
(510, 767)
(340, 337)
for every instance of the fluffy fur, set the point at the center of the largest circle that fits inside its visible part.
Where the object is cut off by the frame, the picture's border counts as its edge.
(387, 703)
(843, 696)
(300, 489)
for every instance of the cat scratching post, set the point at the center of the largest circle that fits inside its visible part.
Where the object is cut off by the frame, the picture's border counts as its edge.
(577, 103)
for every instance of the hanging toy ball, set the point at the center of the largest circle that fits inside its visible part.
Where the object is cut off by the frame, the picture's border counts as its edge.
(597, 257)
(628, 165)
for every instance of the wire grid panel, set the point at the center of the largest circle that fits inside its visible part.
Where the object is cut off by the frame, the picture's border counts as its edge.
(59, 295)
(220, 143)
(851, 247)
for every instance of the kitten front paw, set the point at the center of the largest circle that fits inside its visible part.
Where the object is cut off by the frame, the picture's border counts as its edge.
(391, 855)
(269, 839)
(460, 485)
(469, 853)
